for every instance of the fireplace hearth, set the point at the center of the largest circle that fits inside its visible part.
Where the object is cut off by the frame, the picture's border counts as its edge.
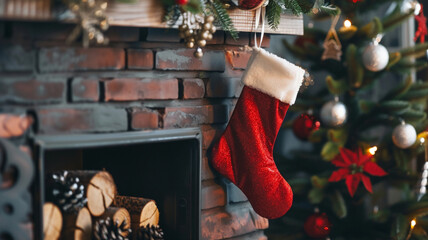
(93, 108)
(162, 165)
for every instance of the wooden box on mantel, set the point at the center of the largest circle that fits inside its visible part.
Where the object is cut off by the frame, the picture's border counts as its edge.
(141, 13)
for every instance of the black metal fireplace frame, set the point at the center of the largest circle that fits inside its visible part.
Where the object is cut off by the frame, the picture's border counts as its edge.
(43, 143)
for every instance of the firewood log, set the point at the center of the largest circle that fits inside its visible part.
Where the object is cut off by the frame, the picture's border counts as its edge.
(143, 211)
(77, 225)
(52, 221)
(100, 189)
(119, 216)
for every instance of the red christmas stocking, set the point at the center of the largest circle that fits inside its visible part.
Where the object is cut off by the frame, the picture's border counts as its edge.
(244, 152)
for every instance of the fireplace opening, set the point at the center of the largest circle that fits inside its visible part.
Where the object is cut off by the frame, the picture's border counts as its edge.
(162, 165)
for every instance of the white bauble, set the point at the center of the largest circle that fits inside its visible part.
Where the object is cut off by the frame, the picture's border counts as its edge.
(375, 57)
(333, 113)
(404, 135)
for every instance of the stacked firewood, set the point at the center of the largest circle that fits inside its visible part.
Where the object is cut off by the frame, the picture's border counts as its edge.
(85, 205)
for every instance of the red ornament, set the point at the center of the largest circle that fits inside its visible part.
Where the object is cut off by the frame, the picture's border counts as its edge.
(181, 2)
(352, 166)
(304, 125)
(301, 41)
(250, 4)
(317, 225)
(422, 26)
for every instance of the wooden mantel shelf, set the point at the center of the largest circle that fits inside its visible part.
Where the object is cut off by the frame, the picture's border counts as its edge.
(142, 13)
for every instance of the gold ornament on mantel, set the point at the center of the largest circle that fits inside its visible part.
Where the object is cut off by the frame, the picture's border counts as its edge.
(92, 21)
(332, 45)
(196, 30)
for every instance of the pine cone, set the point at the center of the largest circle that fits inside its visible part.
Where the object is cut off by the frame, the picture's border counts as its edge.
(150, 233)
(106, 229)
(67, 192)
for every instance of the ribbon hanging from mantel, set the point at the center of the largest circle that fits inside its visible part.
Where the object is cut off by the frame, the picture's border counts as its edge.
(261, 11)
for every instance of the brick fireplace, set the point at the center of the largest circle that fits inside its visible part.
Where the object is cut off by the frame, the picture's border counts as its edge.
(143, 81)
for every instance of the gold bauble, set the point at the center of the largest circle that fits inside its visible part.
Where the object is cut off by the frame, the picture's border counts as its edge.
(99, 13)
(91, 3)
(188, 33)
(190, 39)
(207, 26)
(210, 37)
(75, 7)
(190, 44)
(204, 35)
(198, 53)
(104, 25)
(213, 29)
(91, 35)
(103, 5)
(100, 38)
(209, 19)
(183, 27)
(201, 43)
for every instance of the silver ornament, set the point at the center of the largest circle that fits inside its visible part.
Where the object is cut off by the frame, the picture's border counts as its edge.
(375, 57)
(411, 5)
(404, 135)
(333, 113)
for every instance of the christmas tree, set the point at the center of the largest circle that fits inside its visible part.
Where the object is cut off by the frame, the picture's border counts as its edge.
(364, 146)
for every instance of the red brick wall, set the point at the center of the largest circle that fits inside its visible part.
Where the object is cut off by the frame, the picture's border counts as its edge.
(144, 80)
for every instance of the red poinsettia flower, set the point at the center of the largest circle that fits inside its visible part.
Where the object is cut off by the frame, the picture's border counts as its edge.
(352, 167)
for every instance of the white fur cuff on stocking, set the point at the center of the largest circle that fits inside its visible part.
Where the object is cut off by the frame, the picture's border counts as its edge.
(273, 75)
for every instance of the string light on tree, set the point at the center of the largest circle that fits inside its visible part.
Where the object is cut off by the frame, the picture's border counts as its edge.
(412, 226)
(347, 23)
(347, 30)
(423, 181)
(372, 150)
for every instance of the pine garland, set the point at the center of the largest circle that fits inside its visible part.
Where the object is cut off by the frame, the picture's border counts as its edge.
(172, 14)
(297, 7)
(273, 14)
(273, 11)
(223, 18)
(292, 5)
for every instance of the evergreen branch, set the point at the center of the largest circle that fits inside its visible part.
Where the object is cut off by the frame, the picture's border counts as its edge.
(292, 5)
(306, 5)
(273, 14)
(371, 29)
(411, 51)
(330, 10)
(400, 90)
(172, 14)
(388, 24)
(223, 18)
